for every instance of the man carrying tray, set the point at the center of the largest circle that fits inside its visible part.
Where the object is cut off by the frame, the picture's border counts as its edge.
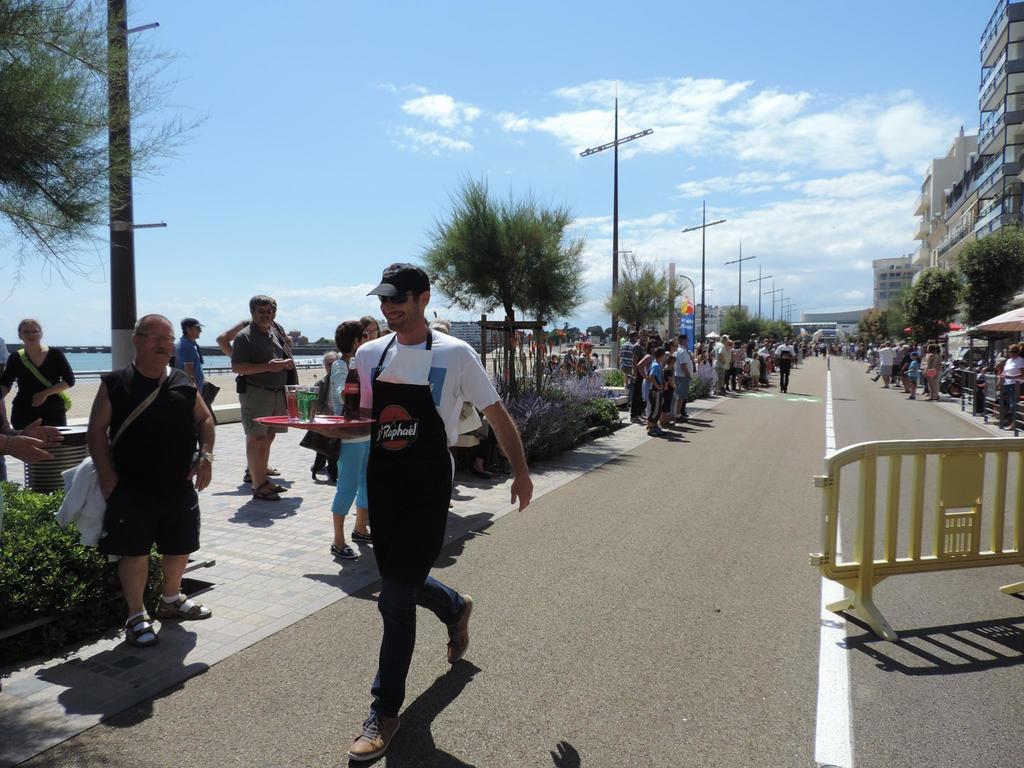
(413, 383)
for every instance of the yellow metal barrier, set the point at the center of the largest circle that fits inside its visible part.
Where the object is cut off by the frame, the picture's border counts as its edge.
(957, 536)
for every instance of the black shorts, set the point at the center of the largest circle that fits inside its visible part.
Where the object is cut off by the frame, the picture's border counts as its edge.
(135, 521)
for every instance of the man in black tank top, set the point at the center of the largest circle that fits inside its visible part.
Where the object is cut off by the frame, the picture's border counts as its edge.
(157, 422)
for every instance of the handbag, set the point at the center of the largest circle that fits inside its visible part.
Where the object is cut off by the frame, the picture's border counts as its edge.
(314, 441)
(327, 446)
(42, 379)
(931, 373)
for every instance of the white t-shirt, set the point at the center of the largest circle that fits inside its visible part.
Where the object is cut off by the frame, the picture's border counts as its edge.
(456, 377)
(1013, 370)
(885, 356)
(683, 357)
(784, 348)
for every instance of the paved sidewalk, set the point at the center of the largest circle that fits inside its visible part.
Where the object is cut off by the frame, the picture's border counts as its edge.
(273, 568)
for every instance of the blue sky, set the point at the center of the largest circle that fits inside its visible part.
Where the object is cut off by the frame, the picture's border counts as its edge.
(335, 133)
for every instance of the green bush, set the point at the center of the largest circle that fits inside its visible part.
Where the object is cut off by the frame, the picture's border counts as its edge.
(45, 572)
(699, 388)
(614, 378)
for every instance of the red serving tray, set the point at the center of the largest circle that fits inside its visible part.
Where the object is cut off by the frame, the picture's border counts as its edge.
(321, 421)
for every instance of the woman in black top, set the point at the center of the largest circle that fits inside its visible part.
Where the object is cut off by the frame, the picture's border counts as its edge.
(36, 400)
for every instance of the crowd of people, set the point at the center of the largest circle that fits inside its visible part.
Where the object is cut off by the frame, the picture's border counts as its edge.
(918, 369)
(151, 440)
(660, 374)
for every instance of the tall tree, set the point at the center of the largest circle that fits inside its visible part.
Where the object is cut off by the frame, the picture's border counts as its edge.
(53, 125)
(739, 325)
(931, 302)
(874, 326)
(514, 254)
(993, 271)
(643, 296)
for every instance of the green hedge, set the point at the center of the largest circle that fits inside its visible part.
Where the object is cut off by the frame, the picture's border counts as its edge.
(45, 572)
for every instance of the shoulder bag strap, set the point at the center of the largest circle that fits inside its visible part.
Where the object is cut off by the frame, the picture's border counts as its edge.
(32, 368)
(141, 407)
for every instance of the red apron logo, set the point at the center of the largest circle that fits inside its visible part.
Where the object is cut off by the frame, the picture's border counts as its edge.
(396, 429)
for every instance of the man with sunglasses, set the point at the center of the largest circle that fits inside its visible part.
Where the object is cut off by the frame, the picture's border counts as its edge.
(413, 383)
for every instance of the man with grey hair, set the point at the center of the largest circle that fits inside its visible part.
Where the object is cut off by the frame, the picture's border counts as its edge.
(150, 436)
(260, 356)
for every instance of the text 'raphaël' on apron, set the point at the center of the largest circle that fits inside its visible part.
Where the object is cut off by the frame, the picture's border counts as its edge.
(408, 478)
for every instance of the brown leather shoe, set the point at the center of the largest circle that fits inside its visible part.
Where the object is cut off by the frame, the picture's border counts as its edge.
(378, 730)
(458, 633)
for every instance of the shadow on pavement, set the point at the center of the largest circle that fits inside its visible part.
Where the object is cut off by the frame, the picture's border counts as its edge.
(565, 755)
(262, 514)
(945, 650)
(127, 667)
(414, 743)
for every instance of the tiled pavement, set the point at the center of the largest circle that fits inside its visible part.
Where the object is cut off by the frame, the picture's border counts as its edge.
(273, 568)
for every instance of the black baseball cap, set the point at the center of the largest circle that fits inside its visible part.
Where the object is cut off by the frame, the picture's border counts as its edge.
(190, 322)
(399, 278)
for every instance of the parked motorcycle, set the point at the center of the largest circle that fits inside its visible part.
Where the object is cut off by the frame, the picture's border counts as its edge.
(951, 381)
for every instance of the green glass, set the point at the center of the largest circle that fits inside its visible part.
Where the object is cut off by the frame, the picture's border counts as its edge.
(306, 401)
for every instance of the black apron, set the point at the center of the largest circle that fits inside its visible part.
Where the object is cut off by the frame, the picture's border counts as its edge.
(408, 478)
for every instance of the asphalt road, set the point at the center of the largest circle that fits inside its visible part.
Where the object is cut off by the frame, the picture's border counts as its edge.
(658, 611)
(948, 693)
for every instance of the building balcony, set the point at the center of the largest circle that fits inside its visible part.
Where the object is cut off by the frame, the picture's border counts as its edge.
(923, 256)
(994, 32)
(957, 235)
(923, 229)
(923, 204)
(994, 222)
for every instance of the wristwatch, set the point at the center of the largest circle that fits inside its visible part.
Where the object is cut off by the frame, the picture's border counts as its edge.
(204, 455)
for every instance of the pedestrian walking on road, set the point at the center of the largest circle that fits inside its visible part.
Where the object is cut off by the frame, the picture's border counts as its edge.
(784, 354)
(414, 382)
(156, 420)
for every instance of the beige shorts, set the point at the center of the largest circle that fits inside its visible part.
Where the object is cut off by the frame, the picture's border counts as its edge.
(257, 402)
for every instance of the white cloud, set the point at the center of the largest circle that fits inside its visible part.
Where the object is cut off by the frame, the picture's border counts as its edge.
(441, 109)
(430, 141)
(747, 182)
(706, 117)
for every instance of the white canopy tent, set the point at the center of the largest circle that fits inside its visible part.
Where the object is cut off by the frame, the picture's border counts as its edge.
(1008, 321)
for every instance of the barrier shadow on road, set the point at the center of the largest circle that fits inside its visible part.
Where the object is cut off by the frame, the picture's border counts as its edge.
(263, 514)
(944, 650)
(415, 743)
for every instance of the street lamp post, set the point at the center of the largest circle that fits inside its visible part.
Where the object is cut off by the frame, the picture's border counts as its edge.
(615, 218)
(759, 280)
(703, 227)
(739, 283)
(772, 293)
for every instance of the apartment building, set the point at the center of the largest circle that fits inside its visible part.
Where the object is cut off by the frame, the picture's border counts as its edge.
(892, 277)
(942, 175)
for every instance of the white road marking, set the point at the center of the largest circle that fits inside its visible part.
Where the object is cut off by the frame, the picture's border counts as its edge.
(833, 736)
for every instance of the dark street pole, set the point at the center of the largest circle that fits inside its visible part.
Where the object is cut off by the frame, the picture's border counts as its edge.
(739, 282)
(615, 218)
(703, 238)
(759, 280)
(122, 235)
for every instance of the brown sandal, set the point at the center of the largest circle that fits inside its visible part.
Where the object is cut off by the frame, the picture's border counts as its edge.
(266, 492)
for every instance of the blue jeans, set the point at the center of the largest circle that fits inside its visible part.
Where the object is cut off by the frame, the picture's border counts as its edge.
(397, 605)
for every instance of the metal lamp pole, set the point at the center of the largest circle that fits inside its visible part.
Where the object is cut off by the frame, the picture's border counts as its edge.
(759, 280)
(704, 224)
(615, 217)
(739, 283)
